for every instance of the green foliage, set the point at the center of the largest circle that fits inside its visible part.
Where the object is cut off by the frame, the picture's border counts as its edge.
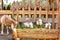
(20, 2)
(8, 6)
(32, 1)
(44, 2)
(34, 26)
(26, 1)
(20, 26)
(40, 26)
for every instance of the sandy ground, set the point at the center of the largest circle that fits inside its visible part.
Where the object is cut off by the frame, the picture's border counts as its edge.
(5, 36)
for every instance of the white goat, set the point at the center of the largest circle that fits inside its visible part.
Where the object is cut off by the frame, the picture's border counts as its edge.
(39, 23)
(48, 25)
(28, 24)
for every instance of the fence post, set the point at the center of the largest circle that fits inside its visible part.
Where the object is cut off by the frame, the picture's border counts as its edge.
(15, 34)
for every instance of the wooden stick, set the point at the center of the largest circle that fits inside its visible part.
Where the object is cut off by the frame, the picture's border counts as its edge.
(15, 34)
